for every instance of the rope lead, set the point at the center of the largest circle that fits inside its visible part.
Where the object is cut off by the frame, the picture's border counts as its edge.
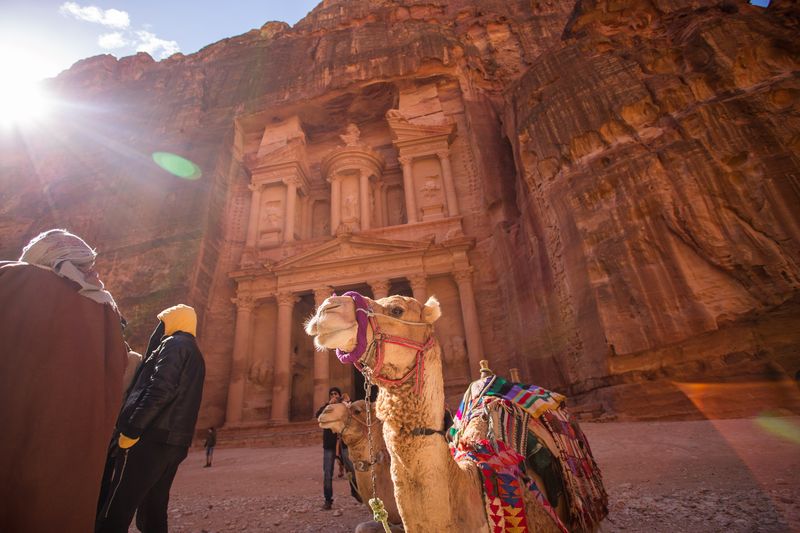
(379, 513)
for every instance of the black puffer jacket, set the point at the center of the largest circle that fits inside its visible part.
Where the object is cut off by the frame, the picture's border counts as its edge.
(163, 401)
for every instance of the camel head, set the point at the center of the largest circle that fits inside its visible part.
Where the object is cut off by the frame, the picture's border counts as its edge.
(348, 420)
(334, 417)
(335, 325)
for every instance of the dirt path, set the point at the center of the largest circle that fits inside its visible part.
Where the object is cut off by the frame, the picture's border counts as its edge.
(701, 476)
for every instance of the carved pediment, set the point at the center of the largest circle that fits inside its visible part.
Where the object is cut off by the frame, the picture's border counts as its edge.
(351, 249)
(405, 132)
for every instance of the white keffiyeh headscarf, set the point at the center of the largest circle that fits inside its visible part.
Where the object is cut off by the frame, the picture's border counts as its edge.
(70, 257)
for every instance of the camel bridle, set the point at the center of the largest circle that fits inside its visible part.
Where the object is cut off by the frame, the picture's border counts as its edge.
(361, 465)
(376, 348)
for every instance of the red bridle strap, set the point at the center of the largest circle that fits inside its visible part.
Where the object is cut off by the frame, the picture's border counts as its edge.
(418, 370)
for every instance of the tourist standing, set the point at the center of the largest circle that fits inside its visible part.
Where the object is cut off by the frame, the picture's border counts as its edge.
(155, 427)
(61, 367)
(329, 441)
(211, 441)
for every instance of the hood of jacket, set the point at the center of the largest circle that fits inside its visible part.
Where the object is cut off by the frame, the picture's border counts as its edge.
(179, 318)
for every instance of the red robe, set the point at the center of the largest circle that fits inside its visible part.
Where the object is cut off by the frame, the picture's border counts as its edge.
(62, 357)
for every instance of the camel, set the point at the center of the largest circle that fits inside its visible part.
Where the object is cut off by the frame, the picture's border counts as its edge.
(351, 422)
(434, 492)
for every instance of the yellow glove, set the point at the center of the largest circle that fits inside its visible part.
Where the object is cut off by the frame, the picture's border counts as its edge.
(126, 442)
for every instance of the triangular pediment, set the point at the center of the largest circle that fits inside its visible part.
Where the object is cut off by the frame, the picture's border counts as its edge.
(405, 131)
(351, 249)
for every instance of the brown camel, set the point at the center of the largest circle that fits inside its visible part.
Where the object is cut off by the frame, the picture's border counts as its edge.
(351, 422)
(434, 492)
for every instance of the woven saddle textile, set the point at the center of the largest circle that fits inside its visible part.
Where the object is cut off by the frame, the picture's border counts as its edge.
(521, 419)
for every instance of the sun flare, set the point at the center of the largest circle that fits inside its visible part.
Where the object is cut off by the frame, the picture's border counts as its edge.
(22, 96)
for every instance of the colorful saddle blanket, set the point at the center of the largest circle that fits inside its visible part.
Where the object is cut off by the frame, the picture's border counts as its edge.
(515, 410)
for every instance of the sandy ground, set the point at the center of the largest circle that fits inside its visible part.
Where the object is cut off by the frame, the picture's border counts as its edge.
(700, 476)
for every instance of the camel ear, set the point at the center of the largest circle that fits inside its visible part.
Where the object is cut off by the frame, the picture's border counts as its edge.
(431, 312)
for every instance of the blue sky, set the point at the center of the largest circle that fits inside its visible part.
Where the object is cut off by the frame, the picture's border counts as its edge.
(40, 38)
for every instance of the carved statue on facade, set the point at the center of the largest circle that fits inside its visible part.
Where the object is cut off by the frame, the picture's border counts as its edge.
(349, 208)
(272, 215)
(352, 135)
(430, 190)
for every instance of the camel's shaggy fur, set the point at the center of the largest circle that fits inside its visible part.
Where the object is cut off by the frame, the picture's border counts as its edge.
(433, 491)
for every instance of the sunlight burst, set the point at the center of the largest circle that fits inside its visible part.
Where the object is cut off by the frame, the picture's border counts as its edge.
(22, 97)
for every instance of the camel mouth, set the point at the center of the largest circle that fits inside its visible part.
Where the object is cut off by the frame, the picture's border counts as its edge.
(342, 339)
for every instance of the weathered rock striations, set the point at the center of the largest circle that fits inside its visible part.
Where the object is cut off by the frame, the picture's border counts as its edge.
(626, 185)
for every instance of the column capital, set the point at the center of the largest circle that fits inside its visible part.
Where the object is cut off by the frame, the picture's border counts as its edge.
(291, 180)
(286, 298)
(244, 302)
(463, 276)
(405, 159)
(321, 293)
(255, 187)
(379, 287)
(417, 279)
(443, 154)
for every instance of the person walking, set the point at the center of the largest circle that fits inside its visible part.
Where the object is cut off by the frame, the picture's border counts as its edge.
(155, 427)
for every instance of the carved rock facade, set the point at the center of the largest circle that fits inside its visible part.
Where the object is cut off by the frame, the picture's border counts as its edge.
(603, 194)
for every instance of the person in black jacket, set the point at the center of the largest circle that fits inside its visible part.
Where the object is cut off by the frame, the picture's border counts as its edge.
(211, 441)
(155, 427)
(329, 441)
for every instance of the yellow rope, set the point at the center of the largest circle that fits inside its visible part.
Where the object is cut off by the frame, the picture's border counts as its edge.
(379, 513)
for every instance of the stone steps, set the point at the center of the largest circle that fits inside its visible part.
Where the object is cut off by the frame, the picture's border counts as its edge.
(267, 435)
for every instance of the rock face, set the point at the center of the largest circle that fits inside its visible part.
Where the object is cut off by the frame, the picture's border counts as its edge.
(626, 174)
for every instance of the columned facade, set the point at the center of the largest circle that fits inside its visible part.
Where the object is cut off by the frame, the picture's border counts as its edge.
(364, 218)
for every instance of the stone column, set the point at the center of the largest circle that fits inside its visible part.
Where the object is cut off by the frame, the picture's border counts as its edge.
(336, 203)
(419, 286)
(363, 200)
(255, 209)
(241, 346)
(380, 288)
(290, 213)
(449, 186)
(377, 197)
(322, 373)
(384, 203)
(408, 188)
(469, 313)
(281, 389)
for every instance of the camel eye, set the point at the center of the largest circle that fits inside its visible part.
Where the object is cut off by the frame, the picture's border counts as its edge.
(397, 311)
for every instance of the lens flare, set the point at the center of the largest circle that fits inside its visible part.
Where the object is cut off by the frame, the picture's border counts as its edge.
(177, 165)
(781, 426)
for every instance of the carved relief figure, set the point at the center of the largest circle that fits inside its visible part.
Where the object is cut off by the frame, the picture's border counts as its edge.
(273, 215)
(458, 350)
(430, 190)
(351, 136)
(349, 208)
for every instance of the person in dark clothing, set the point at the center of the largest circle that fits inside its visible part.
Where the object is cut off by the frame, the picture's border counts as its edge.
(329, 440)
(155, 427)
(211, 441)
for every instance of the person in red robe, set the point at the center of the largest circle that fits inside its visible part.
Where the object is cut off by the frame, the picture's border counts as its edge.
(62, 358)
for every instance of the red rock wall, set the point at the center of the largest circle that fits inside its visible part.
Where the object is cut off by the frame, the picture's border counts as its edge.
(635, 192)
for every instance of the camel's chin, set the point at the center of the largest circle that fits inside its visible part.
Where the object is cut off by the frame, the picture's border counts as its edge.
(343, 339)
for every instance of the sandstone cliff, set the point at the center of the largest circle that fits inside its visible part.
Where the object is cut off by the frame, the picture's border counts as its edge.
(636, 202)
